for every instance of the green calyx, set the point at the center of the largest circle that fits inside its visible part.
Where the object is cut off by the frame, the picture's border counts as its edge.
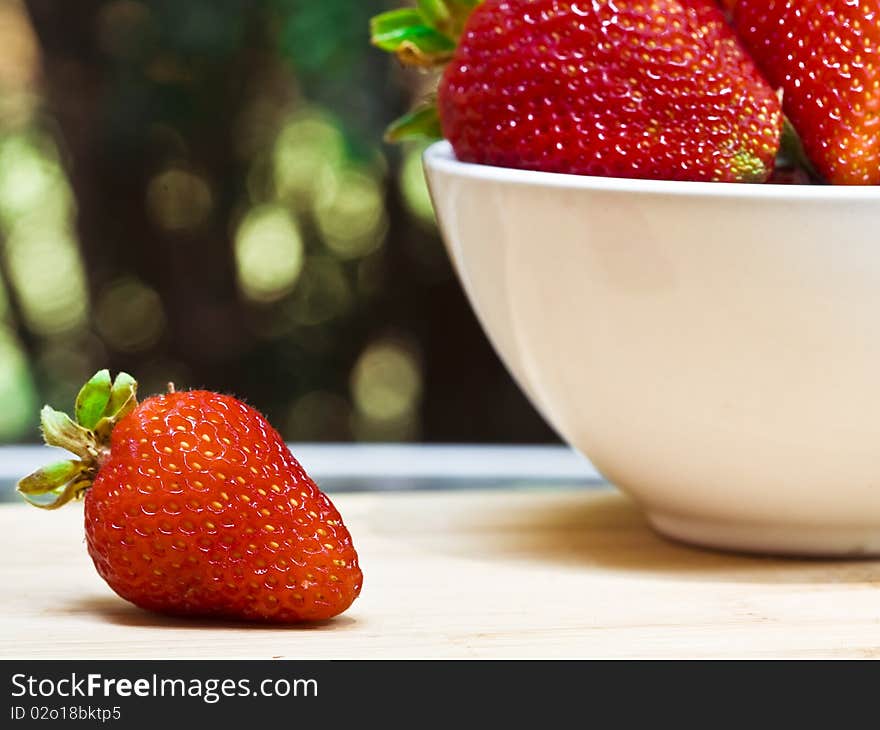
(424, 36)
(100, 405)
(422, 122)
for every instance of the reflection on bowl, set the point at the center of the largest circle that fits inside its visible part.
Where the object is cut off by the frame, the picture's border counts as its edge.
(714, 349)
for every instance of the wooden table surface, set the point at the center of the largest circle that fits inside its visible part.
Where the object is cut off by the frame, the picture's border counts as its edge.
(527, 573)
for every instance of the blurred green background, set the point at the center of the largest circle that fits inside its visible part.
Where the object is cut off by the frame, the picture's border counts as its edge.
(198, 191)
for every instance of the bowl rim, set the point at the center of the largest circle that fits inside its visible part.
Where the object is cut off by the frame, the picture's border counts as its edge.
(439, 156)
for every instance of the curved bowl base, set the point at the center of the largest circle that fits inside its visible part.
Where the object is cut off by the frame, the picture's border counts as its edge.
(794, 540)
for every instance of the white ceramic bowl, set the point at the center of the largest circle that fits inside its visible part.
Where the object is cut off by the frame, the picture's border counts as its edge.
(714, 349)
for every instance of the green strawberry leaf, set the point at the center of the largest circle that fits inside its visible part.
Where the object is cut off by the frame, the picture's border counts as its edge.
(435, 12)
(385, 25)
(60, 430)
(93, 399)
(421, 123)
(389, 30)
(50, 479)
(122, 395)
(58, 497)
(408, 34)
(424, 38)
(447, 16)
(123, 400)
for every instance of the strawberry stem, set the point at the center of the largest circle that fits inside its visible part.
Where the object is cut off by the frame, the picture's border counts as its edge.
(99, 406)
(424, 37)
(792, 153)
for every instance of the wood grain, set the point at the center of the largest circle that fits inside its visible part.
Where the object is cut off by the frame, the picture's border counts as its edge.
(534, 573)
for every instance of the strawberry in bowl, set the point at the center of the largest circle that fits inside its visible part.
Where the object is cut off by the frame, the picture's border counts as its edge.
(711, 346)
(825, 58)
(658, 90)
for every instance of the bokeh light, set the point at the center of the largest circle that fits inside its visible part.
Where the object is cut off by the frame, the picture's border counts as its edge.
(350, 212)
(414, 188)
(386, 386)
(46, 271)
(179, 200)
(307, 153)
(31, 180)
(319, 415)
(129, 315)
(322, 294)
(269, 253)
(40, 251)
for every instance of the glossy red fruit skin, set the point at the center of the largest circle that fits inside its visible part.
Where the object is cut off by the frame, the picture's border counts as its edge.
(201, 510)
(825, 56)
(659, 90)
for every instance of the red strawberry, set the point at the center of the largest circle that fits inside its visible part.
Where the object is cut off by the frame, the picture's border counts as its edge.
(825, 55)
(195, 506)
(627, 88)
